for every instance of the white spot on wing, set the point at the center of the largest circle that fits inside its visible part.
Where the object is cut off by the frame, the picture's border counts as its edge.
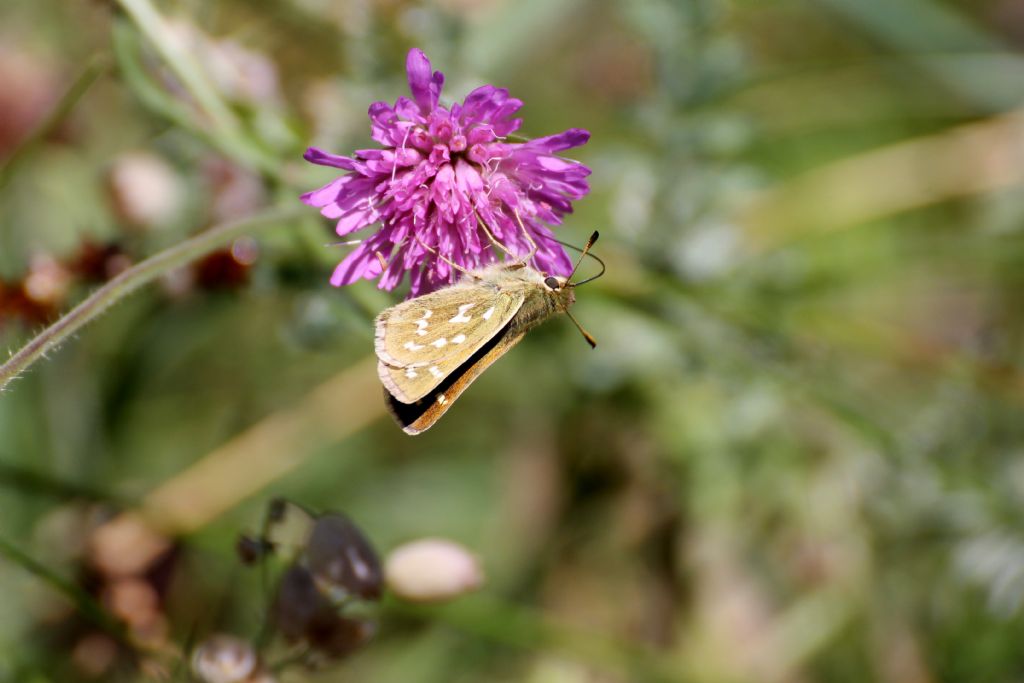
(435, 372)
(488, 313)
(427, 313)
(421, 333)
(461, 316)
(412, 346)
(458, 339)
(442, 399)
(410, 373)
(439, 342)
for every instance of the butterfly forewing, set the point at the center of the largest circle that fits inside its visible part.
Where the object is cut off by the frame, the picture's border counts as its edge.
(421, 341)
(421, 415)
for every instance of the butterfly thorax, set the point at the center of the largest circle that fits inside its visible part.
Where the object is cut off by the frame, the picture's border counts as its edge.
(540, 302)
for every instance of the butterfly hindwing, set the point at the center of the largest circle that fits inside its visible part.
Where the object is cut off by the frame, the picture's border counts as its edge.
(420, 341)
(419, 416)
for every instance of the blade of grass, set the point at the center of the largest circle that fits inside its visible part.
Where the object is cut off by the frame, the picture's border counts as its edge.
(152, 97)
(94, 68)
(173, 50)
(84, 602)
(924, 27)
(26, 481)
(266, 451)
(967, 160)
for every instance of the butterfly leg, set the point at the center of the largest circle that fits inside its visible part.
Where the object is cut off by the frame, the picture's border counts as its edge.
(447, 260)
(526, 233)
(490, 235)
(520, 262)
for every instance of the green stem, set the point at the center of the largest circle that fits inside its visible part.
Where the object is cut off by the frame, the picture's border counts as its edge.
(28, 482)
(82, 600)
(174, 51)
(94, 68)
(126, 45)
(130, 280)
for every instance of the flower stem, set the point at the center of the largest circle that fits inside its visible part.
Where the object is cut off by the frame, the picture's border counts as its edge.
(131, 279)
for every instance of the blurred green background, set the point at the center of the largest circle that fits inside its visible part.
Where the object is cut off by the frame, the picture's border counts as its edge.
(797, 453)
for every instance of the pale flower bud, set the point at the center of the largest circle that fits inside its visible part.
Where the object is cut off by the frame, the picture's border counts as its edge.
(224, 659)
(46, 281)
(125, 546)
(146, 190)
(432, 569)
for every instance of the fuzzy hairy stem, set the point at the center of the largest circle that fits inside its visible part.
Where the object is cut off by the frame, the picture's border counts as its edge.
(131, 279)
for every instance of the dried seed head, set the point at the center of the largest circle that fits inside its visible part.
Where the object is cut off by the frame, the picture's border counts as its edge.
(303, 613)
(341, 558)
(298, 603)
(340, 636)
(224, 659)
(132, 600)
(126, 546)
(94, 655)
(251, 550)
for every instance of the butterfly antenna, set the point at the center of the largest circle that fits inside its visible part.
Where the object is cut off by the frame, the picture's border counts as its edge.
(583, 254)
(586, 335)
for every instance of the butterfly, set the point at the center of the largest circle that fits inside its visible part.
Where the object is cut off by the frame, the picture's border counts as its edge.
(430, 348)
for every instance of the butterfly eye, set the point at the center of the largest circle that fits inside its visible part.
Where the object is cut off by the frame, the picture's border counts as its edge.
(551, 282)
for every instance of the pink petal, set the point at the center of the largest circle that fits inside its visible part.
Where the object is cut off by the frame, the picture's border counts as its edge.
(425, 86)
(483, 99)
(355, 220)
(361, 263)
(574, 137)
(326, 194)
(318, 156)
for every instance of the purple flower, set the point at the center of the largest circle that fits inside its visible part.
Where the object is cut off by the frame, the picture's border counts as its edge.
(439, 174)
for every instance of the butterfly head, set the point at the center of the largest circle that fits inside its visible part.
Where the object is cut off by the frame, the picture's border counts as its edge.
(562, 288)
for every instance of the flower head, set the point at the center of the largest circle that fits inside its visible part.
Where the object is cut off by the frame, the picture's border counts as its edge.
(447, 180)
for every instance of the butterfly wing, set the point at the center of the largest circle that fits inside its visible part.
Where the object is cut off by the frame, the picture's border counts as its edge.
(416, 417)
(421, 341)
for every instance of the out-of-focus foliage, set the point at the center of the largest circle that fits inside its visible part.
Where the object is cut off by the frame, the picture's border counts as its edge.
(797, 453)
